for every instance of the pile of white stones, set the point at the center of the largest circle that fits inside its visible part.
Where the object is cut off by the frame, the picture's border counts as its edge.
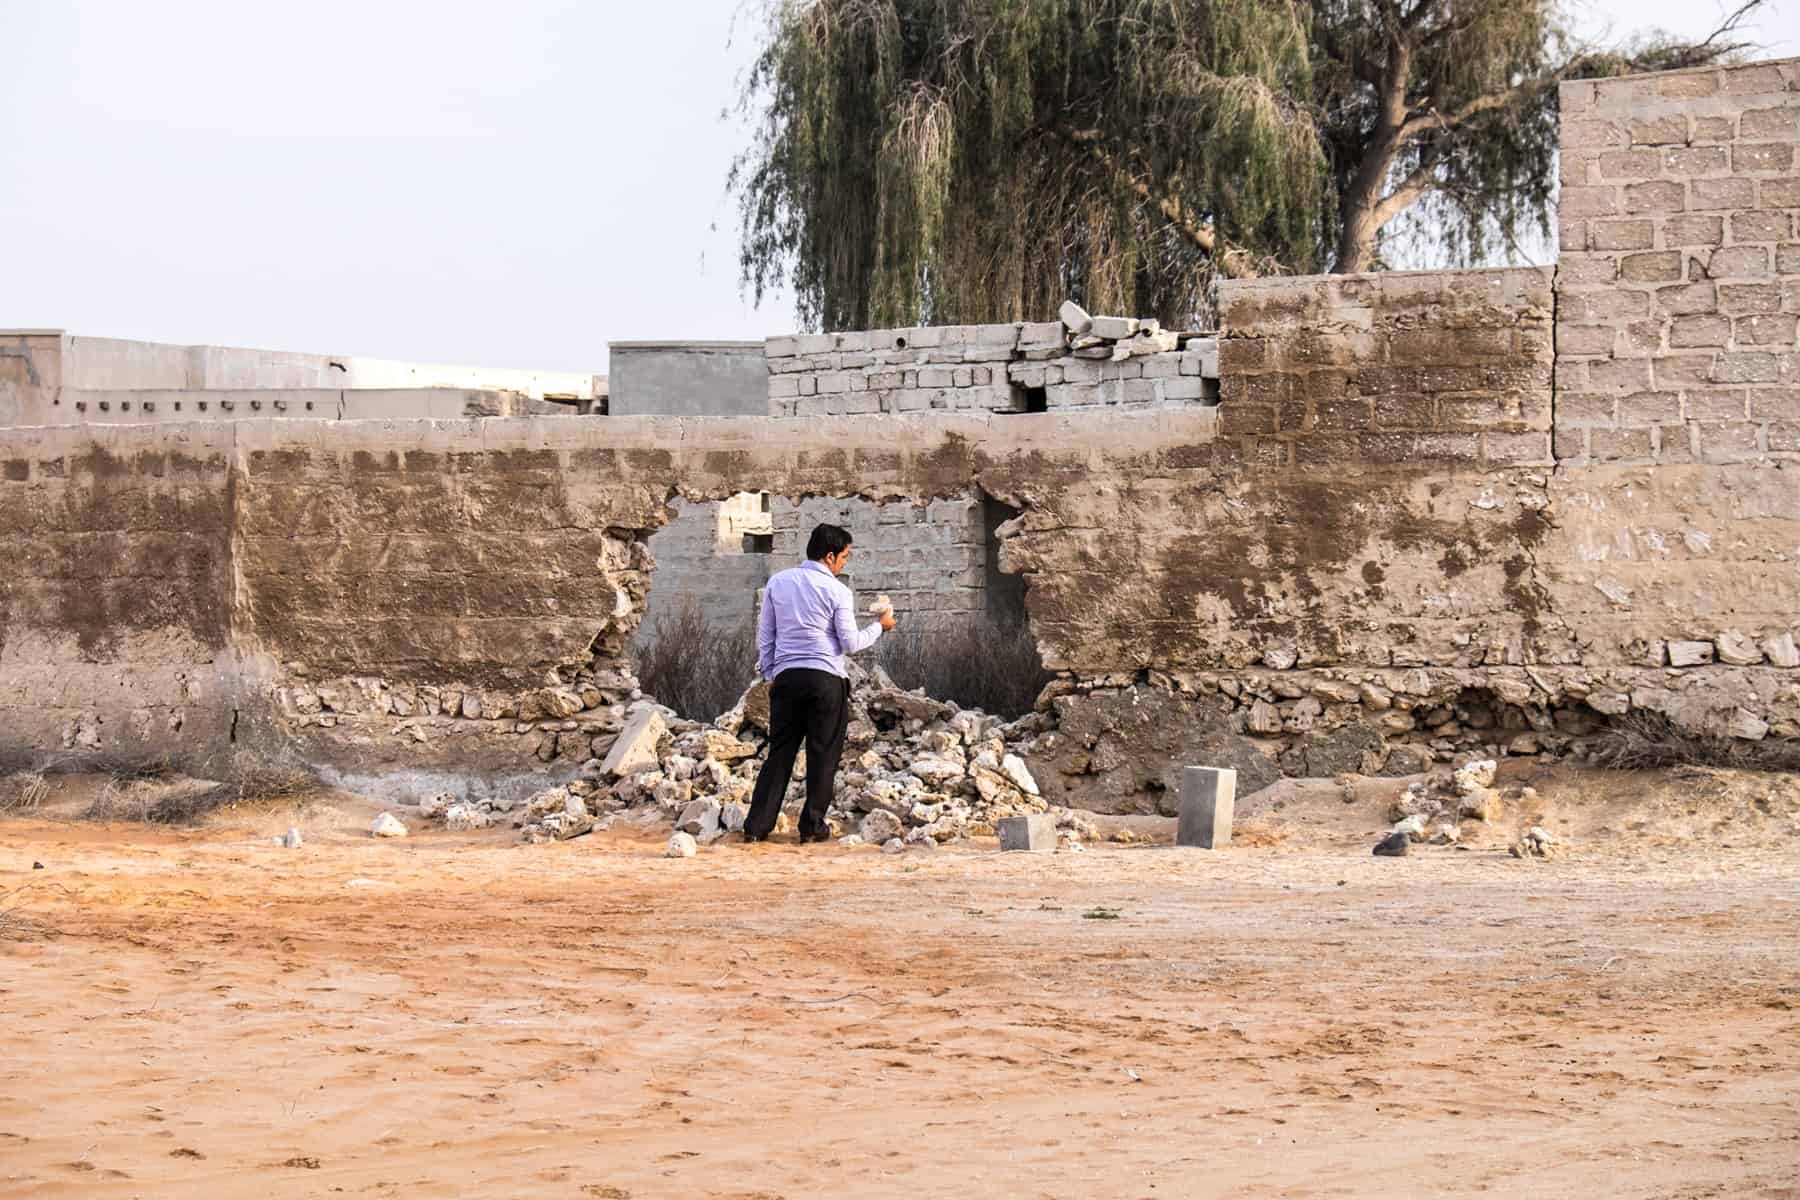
(916, 772)
(1433, 809)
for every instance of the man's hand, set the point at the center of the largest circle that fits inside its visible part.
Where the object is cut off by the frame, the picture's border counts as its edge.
(887, 621)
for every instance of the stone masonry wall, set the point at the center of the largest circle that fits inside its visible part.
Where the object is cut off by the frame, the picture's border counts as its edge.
(1679, 282)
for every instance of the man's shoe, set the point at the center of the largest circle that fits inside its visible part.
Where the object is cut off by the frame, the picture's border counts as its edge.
(823, 835)
(751, 838)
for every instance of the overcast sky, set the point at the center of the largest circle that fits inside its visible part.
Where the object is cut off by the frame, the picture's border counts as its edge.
(505, 184)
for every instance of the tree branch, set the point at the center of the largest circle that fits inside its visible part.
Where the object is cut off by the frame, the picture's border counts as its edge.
(1423, 179)
(1431, 117)
(1203, 237)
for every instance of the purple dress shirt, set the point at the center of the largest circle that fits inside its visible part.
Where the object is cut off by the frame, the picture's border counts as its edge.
(808, 620)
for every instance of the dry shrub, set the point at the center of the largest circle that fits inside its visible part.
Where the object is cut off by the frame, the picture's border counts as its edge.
(136, 798)
(1640, 740)
(973, 661)
(695, 666)
(26, 789)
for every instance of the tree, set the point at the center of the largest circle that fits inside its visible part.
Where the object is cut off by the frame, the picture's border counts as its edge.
(928, 161)
(1445, 111)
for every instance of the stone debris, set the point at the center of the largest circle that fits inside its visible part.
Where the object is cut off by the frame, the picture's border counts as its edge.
(681, 845)
(459, 818)
(291, 839)
(387, 825)
(434, 807)
(1394, 845)
(635, 749)
(1438, 803)
(914, 768)
(881, 606)
(1538, 842)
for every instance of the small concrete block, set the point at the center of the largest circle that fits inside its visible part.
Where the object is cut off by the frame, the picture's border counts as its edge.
(1036, 832)
(1113, 328)
(1208, 795)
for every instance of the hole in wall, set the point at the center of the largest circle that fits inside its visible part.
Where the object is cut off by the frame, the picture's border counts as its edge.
(899, 343)
(759, 543)
(1037, 400)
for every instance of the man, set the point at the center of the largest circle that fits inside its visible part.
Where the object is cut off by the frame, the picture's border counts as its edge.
(807, 628)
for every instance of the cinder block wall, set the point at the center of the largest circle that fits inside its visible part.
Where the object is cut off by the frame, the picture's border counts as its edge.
(1019, 367)
(1679, 282)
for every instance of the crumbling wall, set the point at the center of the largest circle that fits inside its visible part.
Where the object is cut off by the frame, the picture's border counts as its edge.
(397, 600)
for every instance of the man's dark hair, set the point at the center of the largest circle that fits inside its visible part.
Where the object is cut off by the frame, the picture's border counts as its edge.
(827, 540)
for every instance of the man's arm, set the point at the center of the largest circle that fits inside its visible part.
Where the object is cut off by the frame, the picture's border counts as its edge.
(850, 639)
(765, 637)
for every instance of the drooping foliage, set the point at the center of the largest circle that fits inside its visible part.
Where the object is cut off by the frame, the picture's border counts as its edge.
(965, 160)
(934, 161)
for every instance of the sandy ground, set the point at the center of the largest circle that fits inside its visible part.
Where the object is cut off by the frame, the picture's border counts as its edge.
(204, 1014)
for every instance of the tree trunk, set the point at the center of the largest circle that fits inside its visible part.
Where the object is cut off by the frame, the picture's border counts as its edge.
(1357, 208)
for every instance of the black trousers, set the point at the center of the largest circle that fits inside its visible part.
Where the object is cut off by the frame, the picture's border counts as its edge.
(804, 706)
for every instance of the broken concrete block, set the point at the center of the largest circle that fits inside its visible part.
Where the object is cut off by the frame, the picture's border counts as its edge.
(1690, 654)
(1075, 317)
(635, 749)
(681, 845)
(1036, 832)
(1208, 796)
(1113, 328)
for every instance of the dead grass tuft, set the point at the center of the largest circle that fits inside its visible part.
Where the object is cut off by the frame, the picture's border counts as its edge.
(694, 666)
(1640, 741)
(972, 661)
(24, 790)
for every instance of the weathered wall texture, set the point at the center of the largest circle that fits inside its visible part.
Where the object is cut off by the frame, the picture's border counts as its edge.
(1679, 283)
(1368, 555)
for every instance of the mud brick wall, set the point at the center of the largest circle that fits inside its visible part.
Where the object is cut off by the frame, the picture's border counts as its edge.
(397, 599)
(1443, 367)
(116, 615)
(1679, 281)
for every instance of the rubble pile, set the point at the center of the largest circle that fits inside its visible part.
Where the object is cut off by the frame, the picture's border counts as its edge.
(915, 772)
(1433, 809)
(1116, 339)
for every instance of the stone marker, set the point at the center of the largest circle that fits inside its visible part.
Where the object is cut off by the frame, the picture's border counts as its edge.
(1034, 832)
(1208, 795)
